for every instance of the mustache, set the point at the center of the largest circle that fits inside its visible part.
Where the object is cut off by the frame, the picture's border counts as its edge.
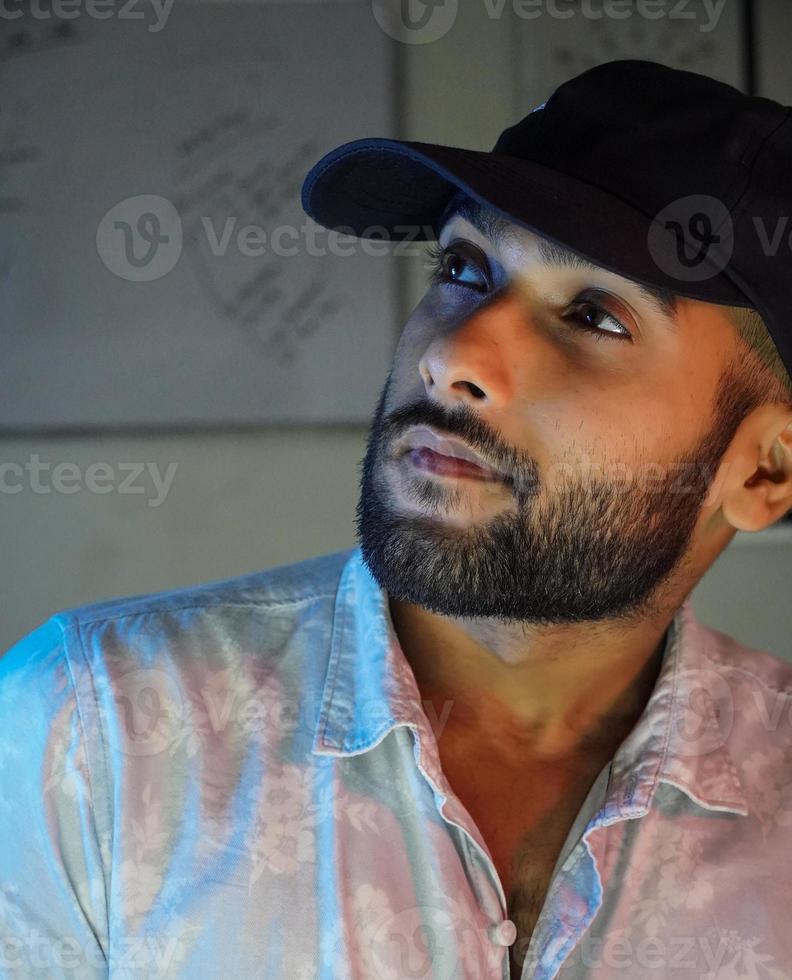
(465, 424)
(461, 422)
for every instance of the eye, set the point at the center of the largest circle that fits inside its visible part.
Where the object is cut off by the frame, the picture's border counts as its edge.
(458, 264)
(596, 319)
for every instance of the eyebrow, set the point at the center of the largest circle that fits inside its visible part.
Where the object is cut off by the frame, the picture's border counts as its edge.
(495, 227)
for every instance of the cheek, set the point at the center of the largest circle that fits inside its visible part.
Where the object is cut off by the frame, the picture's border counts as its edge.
(627, 446)
(586, 438)
(405, 384)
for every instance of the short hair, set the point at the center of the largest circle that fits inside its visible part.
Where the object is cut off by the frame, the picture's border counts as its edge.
(764, 377)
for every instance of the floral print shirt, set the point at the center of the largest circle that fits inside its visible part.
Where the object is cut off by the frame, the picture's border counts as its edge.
(239, 779)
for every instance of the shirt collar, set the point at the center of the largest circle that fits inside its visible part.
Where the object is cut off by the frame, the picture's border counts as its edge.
(370, 688)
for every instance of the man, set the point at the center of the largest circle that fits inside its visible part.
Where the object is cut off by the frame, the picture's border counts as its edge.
(492, 740)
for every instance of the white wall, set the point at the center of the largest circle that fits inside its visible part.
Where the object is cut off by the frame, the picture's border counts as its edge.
(236, 503)
(243, 502)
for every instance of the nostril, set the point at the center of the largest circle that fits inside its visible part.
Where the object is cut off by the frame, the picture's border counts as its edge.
(474, 389)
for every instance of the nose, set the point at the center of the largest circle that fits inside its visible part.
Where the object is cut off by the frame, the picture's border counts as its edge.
(473, 361)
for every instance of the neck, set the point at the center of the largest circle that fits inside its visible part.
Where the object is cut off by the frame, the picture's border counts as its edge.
(555, 692)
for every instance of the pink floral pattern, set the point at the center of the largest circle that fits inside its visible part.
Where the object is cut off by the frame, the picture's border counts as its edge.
(240, 779)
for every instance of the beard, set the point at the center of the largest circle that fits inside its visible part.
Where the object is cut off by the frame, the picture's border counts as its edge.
(587, 549)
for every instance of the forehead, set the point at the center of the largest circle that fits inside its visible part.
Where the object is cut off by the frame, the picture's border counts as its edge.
(501, 232)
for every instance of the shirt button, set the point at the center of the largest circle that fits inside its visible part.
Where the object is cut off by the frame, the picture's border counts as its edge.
(503, 933)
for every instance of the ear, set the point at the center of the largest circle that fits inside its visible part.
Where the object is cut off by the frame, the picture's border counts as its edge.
(758, 485)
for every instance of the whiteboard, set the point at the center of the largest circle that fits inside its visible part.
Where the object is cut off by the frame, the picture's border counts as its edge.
(693, 35)
(156, 268)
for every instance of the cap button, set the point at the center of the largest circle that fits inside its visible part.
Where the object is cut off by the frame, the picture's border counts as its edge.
(503, 933)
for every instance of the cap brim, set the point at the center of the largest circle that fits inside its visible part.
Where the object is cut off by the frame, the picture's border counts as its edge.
(397, 190)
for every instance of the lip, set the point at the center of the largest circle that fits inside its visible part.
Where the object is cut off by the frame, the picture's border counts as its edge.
(422, 437)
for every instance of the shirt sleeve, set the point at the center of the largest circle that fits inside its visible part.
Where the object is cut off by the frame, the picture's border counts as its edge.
(53, 853)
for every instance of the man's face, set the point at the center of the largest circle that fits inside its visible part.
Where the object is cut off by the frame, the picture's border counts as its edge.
(609, 438)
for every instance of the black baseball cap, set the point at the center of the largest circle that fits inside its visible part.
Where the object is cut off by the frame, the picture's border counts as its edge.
(667, 177)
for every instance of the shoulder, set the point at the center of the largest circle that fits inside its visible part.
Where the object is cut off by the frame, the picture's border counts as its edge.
(749, 671)
(311, 578)
(160, 675)
(187, 620)
(35, 677)
(173, 642)
(752, 691)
